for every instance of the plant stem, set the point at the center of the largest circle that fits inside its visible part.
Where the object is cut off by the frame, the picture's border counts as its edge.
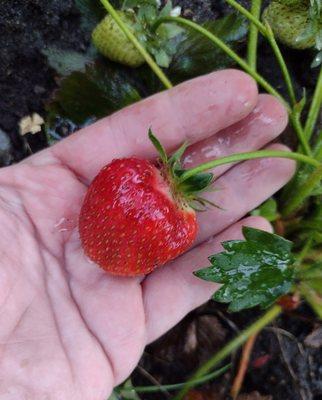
(312, 298)
(253, 35)
(243, 64)
(295, 119)
(154, 66)
(315, 108)
(286, 75)
(176, 386)
(267, 32)
(303, 191)
(222, 45)
(243, 366)
(306, 248)
(248, 156)
(248, 15)
(233, 345)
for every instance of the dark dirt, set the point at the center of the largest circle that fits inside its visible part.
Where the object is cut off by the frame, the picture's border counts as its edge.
(292, 370)
(26, 80)
(282, 365)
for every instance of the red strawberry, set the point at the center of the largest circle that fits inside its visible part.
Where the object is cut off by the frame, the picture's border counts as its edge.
(136, 217)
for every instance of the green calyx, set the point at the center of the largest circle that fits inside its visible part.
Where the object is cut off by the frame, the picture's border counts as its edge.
(191, 189)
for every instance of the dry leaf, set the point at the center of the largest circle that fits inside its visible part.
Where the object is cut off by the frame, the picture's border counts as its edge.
(31, 124)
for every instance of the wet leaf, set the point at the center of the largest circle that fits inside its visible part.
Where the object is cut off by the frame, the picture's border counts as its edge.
(254, 271)
(197, 55)
(97, 92)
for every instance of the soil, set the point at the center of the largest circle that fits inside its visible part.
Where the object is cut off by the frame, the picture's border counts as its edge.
(26, 80)
(286, 361)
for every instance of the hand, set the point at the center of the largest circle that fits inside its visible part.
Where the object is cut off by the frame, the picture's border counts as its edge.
(68, 330)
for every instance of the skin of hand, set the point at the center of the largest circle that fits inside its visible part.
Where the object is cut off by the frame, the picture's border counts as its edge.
(68, 330)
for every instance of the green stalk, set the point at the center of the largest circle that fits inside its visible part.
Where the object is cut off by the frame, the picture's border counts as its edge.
(295, 119)
(177, 386)
(279, 57)
(315, 108)
(253, 35)
(303, 191)
(267, 32)
(248, 15)
(248, 156)
(222, 45)
(312, 298)
(154, 66)
(243, 64)
(307, 247)
(233, 345)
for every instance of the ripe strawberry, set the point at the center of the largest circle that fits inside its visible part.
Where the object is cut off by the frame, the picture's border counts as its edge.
(112, 42)
(136, 217)
(290, 22)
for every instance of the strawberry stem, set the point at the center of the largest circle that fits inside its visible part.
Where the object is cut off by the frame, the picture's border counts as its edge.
(233, 345)
(267, 32)
(314, 109)
(248, 156)
(304, 191)
(253, 35)
(294, 115)
(154, 66)
(222, 45)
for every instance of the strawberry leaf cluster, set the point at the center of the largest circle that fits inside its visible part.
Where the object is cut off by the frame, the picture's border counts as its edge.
(157, 42)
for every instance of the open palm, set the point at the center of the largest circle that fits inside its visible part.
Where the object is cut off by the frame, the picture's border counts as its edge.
(68, 330)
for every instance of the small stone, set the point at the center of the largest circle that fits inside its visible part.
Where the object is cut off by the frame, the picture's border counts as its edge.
(5, 149)
(39, 89)
(314, 339)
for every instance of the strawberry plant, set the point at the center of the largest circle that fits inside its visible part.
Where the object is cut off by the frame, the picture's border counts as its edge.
(265, 269)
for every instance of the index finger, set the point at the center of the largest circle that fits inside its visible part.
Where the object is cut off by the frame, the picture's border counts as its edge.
(189, 112)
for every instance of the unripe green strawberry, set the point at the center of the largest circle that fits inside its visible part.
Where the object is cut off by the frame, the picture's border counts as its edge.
(289, 23)
(111, 41)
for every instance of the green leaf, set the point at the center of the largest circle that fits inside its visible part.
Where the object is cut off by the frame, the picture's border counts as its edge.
(311, 287)
(67, 61)
(312, 276)
(132, 4)
(97, 92)
(299, 106)
(254, 271)
(166, 10)
(197, 183)
(162, 58)
(156, 143)
(196, 55)
(267, 210)
(175, 159)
